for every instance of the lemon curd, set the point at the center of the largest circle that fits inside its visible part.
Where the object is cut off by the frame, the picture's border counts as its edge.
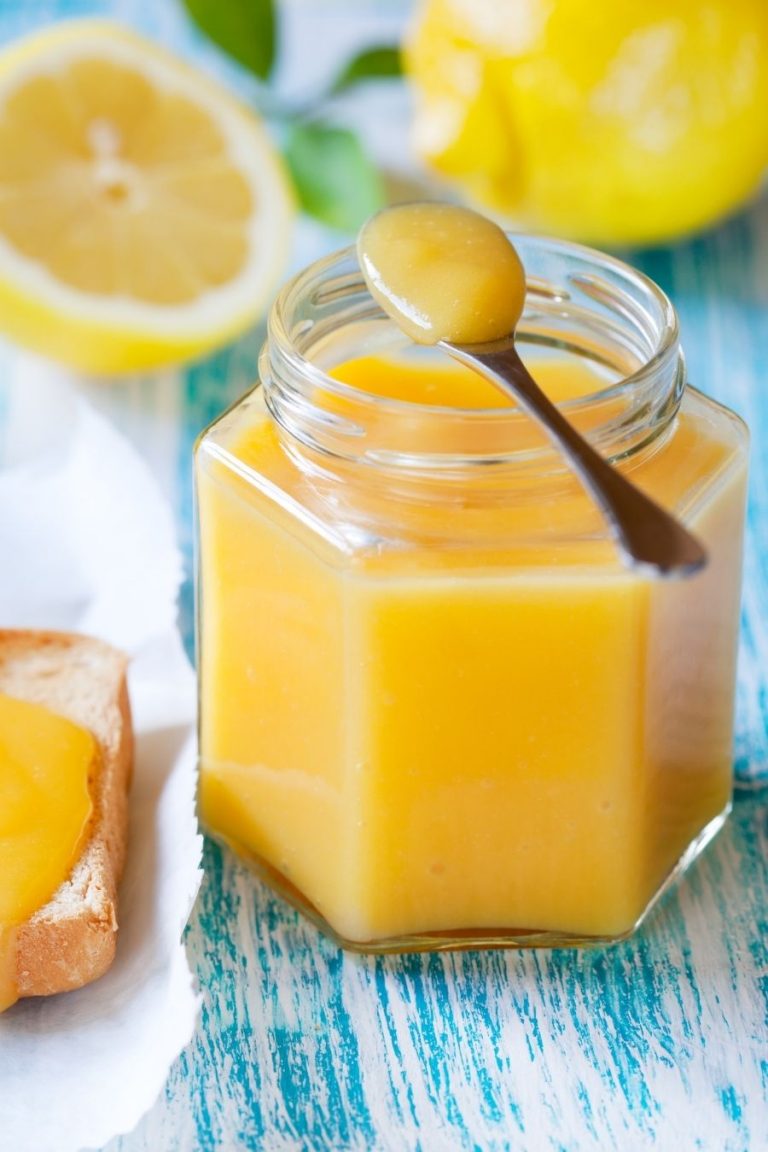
(436, 710)
(45, 807)
(443, 272)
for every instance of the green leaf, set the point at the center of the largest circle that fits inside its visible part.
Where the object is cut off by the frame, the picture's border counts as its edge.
(244, 29)
(335, 179)
(380, 63)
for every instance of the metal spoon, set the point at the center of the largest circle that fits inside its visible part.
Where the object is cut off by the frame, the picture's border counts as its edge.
(647, 535)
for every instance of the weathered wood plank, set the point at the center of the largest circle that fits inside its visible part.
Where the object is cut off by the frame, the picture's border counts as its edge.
(658, 1043)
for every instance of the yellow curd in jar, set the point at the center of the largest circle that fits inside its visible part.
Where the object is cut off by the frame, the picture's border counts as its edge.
(435, 708)
(509, 735)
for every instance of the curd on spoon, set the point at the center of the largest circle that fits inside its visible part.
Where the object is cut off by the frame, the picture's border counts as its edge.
(443, 273)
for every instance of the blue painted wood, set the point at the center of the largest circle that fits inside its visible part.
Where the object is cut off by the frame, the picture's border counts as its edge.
(659, 1043)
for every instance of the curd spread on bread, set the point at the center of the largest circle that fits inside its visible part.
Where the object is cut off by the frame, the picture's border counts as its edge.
(45, 809)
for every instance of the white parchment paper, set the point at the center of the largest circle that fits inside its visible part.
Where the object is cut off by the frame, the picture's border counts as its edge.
(87, 544)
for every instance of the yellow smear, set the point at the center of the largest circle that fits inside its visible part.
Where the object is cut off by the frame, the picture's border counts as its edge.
(45, 808)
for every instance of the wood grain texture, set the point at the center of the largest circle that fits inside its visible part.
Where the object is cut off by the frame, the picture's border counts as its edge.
(660, 1043)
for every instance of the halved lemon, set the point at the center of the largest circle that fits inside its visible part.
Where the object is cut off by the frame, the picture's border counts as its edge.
(144, 214)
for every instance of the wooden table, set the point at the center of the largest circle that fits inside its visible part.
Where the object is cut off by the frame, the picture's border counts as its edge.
(661, 1042)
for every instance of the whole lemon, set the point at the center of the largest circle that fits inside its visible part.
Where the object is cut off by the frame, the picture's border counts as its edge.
(612, 123)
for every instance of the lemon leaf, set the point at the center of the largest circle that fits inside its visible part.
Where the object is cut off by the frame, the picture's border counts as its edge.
(335, 179)
(246, 31)
(382, 62)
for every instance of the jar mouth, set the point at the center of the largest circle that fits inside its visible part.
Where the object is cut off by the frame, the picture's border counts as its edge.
(579, 302)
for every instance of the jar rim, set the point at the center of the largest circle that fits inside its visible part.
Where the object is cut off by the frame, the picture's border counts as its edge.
(600, 277)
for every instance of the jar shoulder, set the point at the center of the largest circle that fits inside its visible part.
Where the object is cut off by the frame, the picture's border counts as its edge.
(348, 514)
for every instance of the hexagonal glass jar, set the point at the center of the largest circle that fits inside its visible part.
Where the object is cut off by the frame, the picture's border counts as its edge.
(435, 709)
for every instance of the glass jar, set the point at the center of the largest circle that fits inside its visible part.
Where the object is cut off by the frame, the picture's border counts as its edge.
(435, 709)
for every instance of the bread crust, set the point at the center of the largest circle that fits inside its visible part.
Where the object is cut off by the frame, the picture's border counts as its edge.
(71, 940)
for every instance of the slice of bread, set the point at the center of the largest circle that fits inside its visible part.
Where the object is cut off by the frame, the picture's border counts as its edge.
(71, 940)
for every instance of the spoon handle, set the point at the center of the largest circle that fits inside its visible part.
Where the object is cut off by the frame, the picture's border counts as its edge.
(647, 535)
